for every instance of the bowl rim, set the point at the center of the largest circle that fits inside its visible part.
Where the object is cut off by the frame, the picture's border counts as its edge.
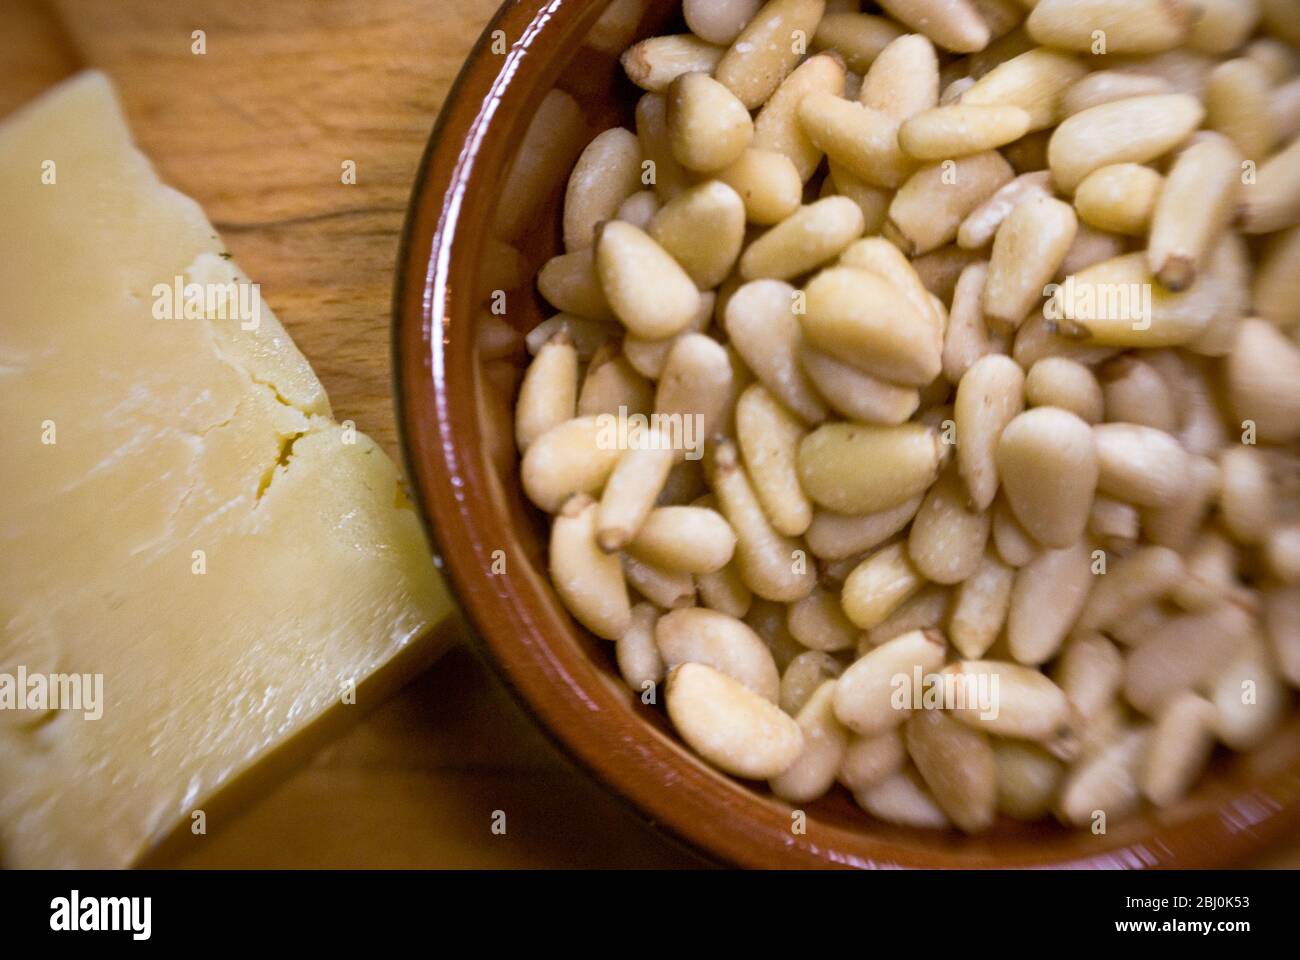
(510, 618)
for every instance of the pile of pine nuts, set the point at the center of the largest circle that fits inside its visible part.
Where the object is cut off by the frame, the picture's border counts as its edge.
(986, 315)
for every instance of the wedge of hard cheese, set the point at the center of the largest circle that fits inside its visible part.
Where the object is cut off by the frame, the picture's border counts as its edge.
(180, 517)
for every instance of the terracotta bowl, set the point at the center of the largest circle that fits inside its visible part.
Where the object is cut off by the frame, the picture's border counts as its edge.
(455, 416)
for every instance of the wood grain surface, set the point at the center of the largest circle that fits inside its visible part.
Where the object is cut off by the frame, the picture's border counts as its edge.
(257, 129)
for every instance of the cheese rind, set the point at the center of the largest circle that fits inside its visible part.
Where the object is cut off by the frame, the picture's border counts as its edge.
(199, 532)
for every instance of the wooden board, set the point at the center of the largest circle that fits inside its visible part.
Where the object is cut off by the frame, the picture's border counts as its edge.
(257, 129)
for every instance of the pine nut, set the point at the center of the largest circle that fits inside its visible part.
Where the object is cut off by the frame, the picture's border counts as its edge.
(589, 581)
(638, 658)
(1129, 26)
(960, 130)
(724, 591)
(905, 461)
(648, 357)
(653, 64)
(858, 317)
(1247, 498)
(719, 21)
(989, 397)
(1107, 86)
(708, 128)
(818, 622)
(929, 208)
(903, 80)
(858, 37)
(703, 229)
(728, 645)
(778, 127)
(870, 760)
(769, 439)
(1014, 546)
(1282, 553)
(1211, 576)
(807, 238)
(1282, 623)
(980, 227)
(696, 382)
(768, 184)
(684, 539)
(554, 138)
(1182, 653)
(803, 676)
(630, 493)
(761, 323)
(836, 536)
(1135, 580)
(864, 694)
(824, 743)
(1273, 202)
(947, 539)
(1263, 374)
(1180, 747)
(1091, 672)
(904, 800)
(769, 563)
(1249, 702)
(967, 338)
(862, 141)
(668, 589)
(567, 459)
(1113, 523)
(1048, 594)
(958, 766)
(1048, 465)
(952, 24)
(606, 174)
(1027, 779)
(729, 725)
(548, 395)
(1035, 81)
(767, 50)
(639, 209)
(857, 395)
(1277, 281)
(1105, 783)
(568, 282)
(879, 585)
(1238, 104)
(1141, 465)
(646, 288)
(1028, 705)
(1030, 245)
(1135, 392)
(1135, 130)
(981, 607)
(1196, 203)
(1120, 198)
(924, 610)
(873, 201)
(670, 178)
(611, 383)
(1067, 384)
(1174, 525)
(1224, 25)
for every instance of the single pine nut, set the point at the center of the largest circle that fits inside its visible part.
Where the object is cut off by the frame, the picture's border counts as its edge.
(860, 318)
(1048, 465)
(760, 322)
(1105, 783)
(569, 283)
(1224, 25)
(858, 37)
(1035, 81)
(859, 140)
(588, 580)
(929, 208)
(824, 743)
(769, 439)
(902, 799)
(1182, 653)
(1239, 105)
(554, 138)
(1282, 553)
(777, 126)
(1277, 280)
(771, 565)
(1091, 672)
(1134, 392)
(1263, 374)
(989, 397)
(960, 130)
(1030, 245)
(1129, 26)
(768, 49)
(670, 178)
(1197, 201)
(905, 461)
(952, 24)
(980, 227)
(719, 21)
(1027, 779)
(548, 396)
(804, 674)
(903, 80)
(947, 539)
(981, 607)
(870, 760)
(879, 585)
(1014, 546)
(630, 493)
(635, 650)
(729, 725)
(669, 589)
(567, 459)
(696, 383)
(958, 766)
(818, 622)
(654, 63)
(1141, 465)
(724, 591)
(639, 209)
(1175, 524)
(606, 174)
(865, 694)
(708, 128)
(768, 184)
(967, 338)
(882, 258)
(835, 536)
(1120, 198)
(611, 383)
(703, 229)
(857, 395)
(1273, 202)
(683, 539)
(1113, 523)
(1107, 86)
(804, 240)
(1180, 746)
(1136, 129)
(1048, 593)
(1025, 704)
(1064, 383)
(646, 288)
(1282, 623)
(728, 645)
(924, 610)
(1247, 497)
(1135, 580)
(1249, 701)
